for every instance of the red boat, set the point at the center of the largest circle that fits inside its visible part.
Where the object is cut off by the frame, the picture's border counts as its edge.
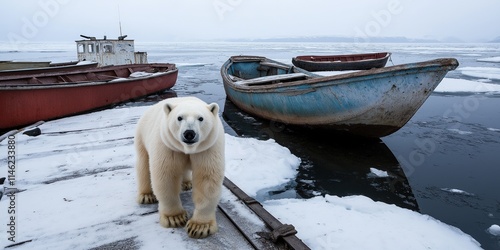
(28, 98)
(342, 62)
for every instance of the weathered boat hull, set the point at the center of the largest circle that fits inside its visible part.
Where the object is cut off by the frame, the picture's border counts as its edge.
(371, 103)
(23, 104)
(342, 62)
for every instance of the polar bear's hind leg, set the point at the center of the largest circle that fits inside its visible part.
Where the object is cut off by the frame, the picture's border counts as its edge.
(145, 193)
(187, 180)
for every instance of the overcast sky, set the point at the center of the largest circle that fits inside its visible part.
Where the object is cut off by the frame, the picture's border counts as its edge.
(191, 20)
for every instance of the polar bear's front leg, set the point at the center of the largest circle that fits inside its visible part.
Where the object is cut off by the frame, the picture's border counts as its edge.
(178, 220)
(172, 214)
(207, 184)
(166, 177)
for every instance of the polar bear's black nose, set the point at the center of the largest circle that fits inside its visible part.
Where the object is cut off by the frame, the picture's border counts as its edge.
(189, 136)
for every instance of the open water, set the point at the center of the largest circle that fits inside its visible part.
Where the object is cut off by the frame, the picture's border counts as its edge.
(445, 162)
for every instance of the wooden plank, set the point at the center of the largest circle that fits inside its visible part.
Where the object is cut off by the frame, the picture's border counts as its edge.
(270, 79)
(275, 65)
(279, 230)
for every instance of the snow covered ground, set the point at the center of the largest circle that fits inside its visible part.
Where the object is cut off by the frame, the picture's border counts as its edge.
(78, 189)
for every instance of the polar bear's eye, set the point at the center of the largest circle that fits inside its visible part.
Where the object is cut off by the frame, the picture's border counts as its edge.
(200, 119)
(179, 118)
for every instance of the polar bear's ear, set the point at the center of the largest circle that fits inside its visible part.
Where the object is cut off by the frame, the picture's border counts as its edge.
(214, 108)
(168, 108)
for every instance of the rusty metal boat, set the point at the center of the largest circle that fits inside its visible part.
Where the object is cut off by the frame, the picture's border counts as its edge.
(28, 98)
(342, 62)
(372, 103)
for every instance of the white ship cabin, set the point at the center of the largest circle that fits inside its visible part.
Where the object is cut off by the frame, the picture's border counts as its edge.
(109, 51)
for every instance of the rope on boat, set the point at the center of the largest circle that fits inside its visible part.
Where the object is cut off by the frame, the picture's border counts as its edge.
(390, 59)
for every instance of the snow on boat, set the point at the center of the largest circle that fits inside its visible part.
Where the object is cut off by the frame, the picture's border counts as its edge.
(372, 103)
(342, 62)
(28, 98)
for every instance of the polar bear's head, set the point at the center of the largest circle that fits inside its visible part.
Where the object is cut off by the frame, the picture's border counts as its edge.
(191, 126)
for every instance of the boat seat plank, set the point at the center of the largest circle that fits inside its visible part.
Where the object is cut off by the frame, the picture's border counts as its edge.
(275, 65)
(235, 78)
(271, 79)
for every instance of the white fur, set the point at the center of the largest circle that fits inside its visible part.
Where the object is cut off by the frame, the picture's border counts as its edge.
(169, 161)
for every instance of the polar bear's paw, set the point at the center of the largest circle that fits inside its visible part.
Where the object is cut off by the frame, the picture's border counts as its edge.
(187, 185)
(146, 199)
(178, 220)
(201, 230)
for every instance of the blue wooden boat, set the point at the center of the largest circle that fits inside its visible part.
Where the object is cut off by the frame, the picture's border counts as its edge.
(374, 103)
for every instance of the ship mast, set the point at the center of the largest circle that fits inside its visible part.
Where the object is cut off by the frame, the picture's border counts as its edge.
(119, 20)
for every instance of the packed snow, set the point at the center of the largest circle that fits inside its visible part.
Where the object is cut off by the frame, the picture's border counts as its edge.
(84, 62)
(140, 74)
(357, 222)
(78, 189)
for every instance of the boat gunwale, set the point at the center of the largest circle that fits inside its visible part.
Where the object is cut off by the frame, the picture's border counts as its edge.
(92, 70)
(165, 66)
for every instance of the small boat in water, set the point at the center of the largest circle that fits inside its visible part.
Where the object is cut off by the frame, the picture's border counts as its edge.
(28, 98)
(372, 103)
(342, 62)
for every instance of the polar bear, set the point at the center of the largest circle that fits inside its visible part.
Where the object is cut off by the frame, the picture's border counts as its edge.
(180, 144)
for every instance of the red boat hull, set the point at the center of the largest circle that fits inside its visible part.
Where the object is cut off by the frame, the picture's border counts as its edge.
(27, 105)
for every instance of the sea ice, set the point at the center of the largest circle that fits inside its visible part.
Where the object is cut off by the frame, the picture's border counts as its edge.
(378, 173)
(462, 85)
(489, 59)
(481, 72)
(494, 230)
(456, 191)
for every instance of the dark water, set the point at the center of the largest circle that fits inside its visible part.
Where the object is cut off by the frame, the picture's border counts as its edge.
(460, 151)
(452, 142)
